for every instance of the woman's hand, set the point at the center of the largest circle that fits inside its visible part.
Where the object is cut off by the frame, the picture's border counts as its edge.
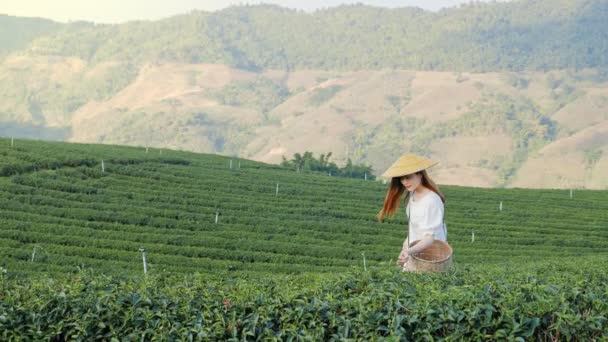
(402, 258)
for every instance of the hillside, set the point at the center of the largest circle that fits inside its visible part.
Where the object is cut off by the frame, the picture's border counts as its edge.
(278, 265)
(17, 32)
(55, 196)
(141, 196)
(503, 94)
(487, 129)
(484, 36)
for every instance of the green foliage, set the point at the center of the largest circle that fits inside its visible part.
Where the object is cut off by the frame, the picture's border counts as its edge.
(41, 132)
(114, 78)
(592, 156)
(374, 142)
(56, 195)
(307, 162)
(563, 91)
(518, 35)
(518, 118)
(323, 94)
(18, 32)
(514, 302)
(517, 81)
(278, 266)
(398, 102)
(29, 94)
(261, 94)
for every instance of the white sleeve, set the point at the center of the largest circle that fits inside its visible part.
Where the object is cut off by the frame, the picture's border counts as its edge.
(433, 219)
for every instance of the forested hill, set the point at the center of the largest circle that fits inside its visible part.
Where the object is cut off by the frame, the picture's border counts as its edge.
(514, 35)
(504, 94)
(17, 32)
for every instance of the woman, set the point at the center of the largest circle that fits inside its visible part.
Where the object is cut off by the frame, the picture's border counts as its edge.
(425, 203)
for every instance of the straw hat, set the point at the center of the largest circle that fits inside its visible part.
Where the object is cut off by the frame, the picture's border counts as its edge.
(408, 163)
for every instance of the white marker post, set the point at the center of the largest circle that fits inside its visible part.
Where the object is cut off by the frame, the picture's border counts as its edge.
(277, 191)
(34, 253)
(472, 235)
(500, 206)
(364, 264)
(143, 256)
(103, 168)
(217, 214)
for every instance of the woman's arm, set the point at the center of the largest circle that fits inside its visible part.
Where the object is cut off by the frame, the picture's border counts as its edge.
(425, 242)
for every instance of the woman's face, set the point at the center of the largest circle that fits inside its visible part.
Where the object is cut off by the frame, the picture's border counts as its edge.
(411, 181)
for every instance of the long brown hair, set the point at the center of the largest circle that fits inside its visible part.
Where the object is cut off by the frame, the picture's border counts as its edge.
(396, 189)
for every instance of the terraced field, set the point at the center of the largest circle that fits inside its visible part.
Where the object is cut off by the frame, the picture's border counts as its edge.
(56, 196)
(65, 213)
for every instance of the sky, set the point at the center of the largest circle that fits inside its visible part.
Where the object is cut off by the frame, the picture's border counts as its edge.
(117, 11)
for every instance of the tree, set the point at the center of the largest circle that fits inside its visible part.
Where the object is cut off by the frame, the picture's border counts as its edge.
(307, 162)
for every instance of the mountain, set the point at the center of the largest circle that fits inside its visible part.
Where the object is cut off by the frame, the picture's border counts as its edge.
(514, 35)
(508, 94)
(17, 32)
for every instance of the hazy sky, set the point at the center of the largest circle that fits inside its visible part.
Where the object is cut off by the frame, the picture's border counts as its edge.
(115, 11)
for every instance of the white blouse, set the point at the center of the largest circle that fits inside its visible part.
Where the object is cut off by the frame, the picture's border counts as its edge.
(426, 216)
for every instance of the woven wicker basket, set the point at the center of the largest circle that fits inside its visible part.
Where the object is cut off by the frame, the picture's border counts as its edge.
(435, 258)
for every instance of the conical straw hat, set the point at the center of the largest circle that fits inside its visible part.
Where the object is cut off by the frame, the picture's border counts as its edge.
(408, 163)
